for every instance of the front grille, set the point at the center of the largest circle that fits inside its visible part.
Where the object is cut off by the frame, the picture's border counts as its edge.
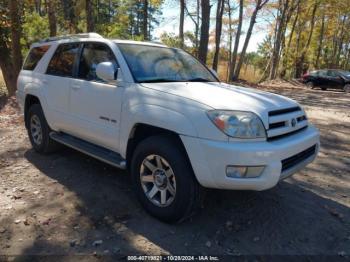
(283, 122)
(298, 158)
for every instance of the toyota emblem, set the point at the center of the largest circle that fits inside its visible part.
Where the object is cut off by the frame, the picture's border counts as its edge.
(293, 122)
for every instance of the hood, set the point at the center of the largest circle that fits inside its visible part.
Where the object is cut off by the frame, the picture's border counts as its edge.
(226, 97)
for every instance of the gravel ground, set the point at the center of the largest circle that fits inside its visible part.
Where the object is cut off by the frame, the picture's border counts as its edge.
(69, 204)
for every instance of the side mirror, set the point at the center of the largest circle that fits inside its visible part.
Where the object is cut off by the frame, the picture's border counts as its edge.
(214, 73)
(106, 71)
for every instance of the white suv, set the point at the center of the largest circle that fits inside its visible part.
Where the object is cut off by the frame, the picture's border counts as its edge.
(164, 116)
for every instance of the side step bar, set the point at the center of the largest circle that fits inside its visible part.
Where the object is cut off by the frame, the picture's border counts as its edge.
(90, 149)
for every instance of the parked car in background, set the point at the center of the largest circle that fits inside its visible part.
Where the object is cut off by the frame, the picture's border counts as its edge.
(328, 78)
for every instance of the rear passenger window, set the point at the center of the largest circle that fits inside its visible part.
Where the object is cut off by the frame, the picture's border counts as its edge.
(92, 55)
(62, 62)
(34, 57)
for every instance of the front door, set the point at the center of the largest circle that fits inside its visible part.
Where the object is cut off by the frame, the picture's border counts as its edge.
(334, 79)
(95, 104)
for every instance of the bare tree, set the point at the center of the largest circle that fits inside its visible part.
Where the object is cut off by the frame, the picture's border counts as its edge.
(10, 47)
(90, 23)
(259, 5)
(204, 38)
(238, 36)
(320, 41)
(182, 19)
(145, 20)
(16, 27)
(51, 11)
(218, 29)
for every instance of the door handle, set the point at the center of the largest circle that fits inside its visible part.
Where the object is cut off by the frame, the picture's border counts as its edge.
(75, 87)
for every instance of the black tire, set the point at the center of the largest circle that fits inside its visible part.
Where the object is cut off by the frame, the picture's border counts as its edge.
(310, 84)
(324, 88)
(46, 145)
(188, 194)
(346, 88)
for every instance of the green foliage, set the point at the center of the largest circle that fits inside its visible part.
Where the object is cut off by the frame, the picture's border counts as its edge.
(35, 28)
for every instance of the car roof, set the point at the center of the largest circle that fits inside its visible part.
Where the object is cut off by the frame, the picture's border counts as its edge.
(90, 37)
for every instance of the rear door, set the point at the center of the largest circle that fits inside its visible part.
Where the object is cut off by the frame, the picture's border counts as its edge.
(57, 81)
(95, 104)
(322, 78)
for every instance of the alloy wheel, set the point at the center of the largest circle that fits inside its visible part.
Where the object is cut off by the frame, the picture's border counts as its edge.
(36, 129)
(158, 180)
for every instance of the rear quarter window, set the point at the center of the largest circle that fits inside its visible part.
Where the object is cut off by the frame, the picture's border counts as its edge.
(34, 57)
(62, 62)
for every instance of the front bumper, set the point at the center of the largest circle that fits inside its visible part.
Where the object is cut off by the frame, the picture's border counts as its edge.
(210, 158)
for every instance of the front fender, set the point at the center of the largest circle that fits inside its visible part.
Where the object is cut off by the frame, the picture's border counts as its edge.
(153, 115)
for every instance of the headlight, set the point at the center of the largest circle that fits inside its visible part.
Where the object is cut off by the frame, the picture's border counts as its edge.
(238, 124)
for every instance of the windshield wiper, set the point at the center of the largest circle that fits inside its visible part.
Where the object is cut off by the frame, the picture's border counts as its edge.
(199, 79)
(159, 80)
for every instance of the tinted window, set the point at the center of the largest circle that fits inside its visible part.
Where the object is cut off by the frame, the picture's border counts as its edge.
(92, 55)
(34, 57)
(62, 62)
(332, 73)
(322, 73)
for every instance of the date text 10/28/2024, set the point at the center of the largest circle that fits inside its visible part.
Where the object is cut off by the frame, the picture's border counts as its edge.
(173, 258)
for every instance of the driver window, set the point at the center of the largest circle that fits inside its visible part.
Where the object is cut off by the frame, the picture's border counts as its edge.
(91, 56)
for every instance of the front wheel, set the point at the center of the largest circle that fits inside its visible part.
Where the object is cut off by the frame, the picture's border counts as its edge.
(163, 179)
(347, 88)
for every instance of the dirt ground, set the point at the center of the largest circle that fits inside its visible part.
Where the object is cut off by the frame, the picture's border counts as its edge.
(70, 204)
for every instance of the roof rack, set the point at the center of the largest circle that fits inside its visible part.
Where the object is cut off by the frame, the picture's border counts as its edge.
(74, 36)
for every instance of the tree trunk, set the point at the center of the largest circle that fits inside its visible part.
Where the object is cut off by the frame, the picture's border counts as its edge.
(197, 26)
(145, 20)
(218, 29)
(238, 36)
(51, 11)
(90, 23)
(16, 29)
(204, 39)
(320, 41)
(259, 5)
(229, 41)
(8, 72)
(182, 19)
(301, 66)
(284, 5)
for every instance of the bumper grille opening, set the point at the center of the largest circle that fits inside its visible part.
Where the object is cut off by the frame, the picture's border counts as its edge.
(284, 111)
(298, 158)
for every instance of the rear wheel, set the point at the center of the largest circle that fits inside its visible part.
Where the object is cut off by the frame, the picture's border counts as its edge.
(39, 131)
(347, 88)
(164, 181)
(310, 85)
(324, 88)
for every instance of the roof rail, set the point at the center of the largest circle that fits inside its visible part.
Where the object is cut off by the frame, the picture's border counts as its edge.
(74, 36)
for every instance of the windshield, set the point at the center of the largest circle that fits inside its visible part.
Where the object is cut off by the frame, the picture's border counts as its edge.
(160, 64)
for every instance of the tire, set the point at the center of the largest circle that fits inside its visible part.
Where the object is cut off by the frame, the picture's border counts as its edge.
(347, 88)
(310, 85)
(324, 88)
(173, 160)
(39, 130)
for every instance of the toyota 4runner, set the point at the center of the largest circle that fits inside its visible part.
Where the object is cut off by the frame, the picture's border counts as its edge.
(164, 116)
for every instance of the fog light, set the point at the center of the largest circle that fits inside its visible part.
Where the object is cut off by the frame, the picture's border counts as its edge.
(244, 171)
(236, 171)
